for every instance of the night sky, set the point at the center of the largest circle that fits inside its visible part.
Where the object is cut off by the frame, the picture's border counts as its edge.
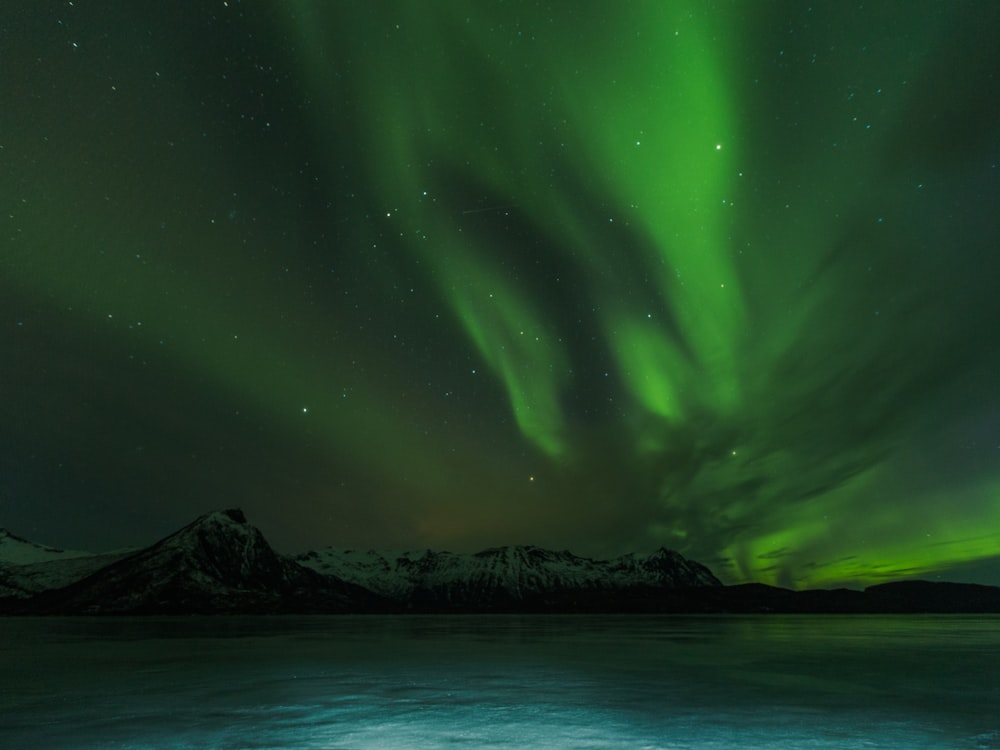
(716, 276)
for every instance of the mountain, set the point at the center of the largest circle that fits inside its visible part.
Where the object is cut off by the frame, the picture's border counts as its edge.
(17, 551)
(503, 578)
(933, 596)
(897, 597)
(23, 581)
(220, 564)
(27, 568)
(217, 564)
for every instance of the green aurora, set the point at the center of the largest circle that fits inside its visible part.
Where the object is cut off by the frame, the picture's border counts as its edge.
(714, 276)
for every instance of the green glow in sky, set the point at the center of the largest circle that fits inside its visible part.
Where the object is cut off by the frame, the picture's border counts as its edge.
(453, 275)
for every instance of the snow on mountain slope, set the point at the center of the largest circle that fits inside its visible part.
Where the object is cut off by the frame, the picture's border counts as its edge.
(28, 567)
(218, 563)
(502, 574)
(21, 581)
(17, 551)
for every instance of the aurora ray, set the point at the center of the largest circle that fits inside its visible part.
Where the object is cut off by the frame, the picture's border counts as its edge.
(460, 275)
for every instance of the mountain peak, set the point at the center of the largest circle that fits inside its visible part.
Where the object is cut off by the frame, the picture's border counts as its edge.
(506, 576)
(224, 545)
(218, 563)
(226, 515)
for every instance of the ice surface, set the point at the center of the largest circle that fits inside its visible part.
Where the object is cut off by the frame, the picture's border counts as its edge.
(501, 682)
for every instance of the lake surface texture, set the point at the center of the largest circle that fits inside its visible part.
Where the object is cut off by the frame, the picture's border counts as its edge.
(501, 682)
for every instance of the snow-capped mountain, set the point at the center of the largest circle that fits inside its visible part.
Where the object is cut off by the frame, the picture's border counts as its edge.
(27, 568)
(17, 551)
(218, 563)
(221, 564)
(23, 581)
(502, 576)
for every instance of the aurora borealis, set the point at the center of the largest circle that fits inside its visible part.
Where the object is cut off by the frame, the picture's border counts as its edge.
(717, 276)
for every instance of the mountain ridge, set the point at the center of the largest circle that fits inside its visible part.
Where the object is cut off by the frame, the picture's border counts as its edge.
(20, 551)
(217, 564)
(221, 564)
(501, 575)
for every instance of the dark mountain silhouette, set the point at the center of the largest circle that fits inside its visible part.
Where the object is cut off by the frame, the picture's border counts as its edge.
(220, 564)
(217, 564)
(502, 578)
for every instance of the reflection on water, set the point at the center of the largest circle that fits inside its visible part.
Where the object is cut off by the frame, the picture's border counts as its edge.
(501, 682)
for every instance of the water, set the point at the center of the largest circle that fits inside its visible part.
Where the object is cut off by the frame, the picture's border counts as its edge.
(501, 682)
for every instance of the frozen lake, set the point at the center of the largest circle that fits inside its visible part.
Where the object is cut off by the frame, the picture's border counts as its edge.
(501, 682)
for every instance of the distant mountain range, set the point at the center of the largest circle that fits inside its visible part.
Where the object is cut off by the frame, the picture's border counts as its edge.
(221, 564)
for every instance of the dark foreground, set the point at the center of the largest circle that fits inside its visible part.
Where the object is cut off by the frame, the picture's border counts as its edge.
(902, 597)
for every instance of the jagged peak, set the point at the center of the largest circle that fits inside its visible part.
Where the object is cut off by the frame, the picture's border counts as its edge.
(232, 519)
(665, 552)
(225, 515)
(211, 528)
(497, 551)
(516, 549)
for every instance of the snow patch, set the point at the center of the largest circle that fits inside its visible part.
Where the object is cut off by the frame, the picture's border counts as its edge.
(17, 551)
(515, 570)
